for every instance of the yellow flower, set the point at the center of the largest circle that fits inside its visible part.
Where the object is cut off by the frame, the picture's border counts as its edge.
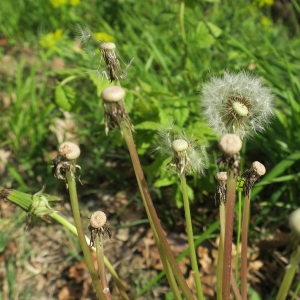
(74, 2)
(102, 36)
(265, 21)
(266, 2)
(50, 39)
(56, 3)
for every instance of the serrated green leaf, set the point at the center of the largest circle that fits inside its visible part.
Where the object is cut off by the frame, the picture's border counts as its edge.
(164, 181)
(215, 30)
(148, 125)
(61, 99)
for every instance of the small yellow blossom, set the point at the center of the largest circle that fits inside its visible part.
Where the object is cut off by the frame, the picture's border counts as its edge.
(57, 3)
(74, 2)
(265, 21)
(266, 2)
(50, 39)
(102, 36)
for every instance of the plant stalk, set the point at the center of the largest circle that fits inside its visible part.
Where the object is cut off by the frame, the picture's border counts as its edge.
(152, 216)
(101, 269)
(220, 251)
(81, 236)
(229, 216)
(189, 229)
(244, 260)
(289, 275)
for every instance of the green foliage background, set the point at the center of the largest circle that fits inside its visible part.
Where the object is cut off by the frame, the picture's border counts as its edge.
(176, 47)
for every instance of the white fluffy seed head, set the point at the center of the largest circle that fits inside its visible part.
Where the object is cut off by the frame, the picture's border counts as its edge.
(180, 145)
(218, 92)
(221, 176)
(107, 46)
(294, 221)
(230, 144)
(69, 150)
(259, 168)
(97, 219)
(113, 94)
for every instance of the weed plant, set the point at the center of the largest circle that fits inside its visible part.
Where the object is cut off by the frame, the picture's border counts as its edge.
(176, 48)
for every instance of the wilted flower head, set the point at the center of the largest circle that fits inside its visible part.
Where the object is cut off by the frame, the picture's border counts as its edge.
(187, 156)
(237, 103)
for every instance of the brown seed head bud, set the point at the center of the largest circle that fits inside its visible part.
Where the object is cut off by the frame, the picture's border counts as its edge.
(98, 219)
(107, 46)
(113, 94)
(180, 145)
(221, 177)
(259, 168)
(69, 150)
(230, 144)
(294, 221)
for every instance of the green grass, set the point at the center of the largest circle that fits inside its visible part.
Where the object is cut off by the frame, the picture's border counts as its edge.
(176, 49)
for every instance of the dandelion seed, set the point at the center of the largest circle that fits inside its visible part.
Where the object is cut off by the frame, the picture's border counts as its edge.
(237, 103)
(83, 33)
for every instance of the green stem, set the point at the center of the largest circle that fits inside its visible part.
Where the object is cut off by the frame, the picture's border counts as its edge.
(181, 18)
(231, 185)
(238, 239)
(244, 261)
(24, 201)
(289, 275)
(108, 265)
(84, 246)
(220, 252)
(100, 262)
(189, 229)
(152, 216)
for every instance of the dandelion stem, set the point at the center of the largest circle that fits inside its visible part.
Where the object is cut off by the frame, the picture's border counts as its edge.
(220, 260)
(189, 229)
(220, 251)
(81, 236)
(100, 262)
(231, 184)
(108, 265)
(289, 275)
(238, 238)
(24, 201)
(244, 267)
(152, 216)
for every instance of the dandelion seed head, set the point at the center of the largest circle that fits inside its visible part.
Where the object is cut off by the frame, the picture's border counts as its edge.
(187, 155)
(237, 103)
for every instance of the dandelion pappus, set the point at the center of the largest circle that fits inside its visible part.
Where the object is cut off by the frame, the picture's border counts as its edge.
(111, 68)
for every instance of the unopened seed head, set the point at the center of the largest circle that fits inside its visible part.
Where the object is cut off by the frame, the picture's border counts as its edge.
(113, 94)
(180, 145)
(221, 176)
(259, 168)
(69, 150)
(230, 144)
(107, 46)
(98, 219)
(294, 221)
